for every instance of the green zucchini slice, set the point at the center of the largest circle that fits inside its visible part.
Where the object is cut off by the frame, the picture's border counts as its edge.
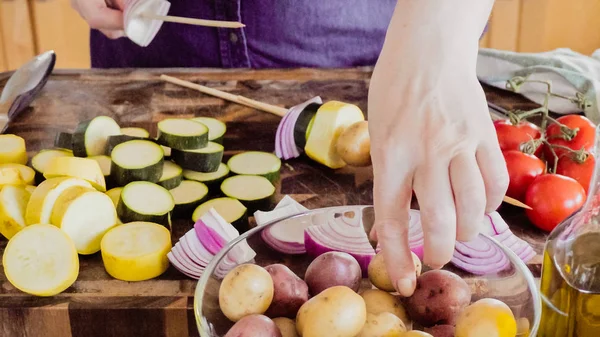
(255, 192)
(232, 210)
(206, 159)
(304, 124)
(136, 132)
(212, 179)
(136, 160)
(90, 137)
(171, 176)
(118, 139)
(145, 201)
(182, 134)
(64, 140)
(188, 195)
(216, 128)
(40, 161)
(256, 163)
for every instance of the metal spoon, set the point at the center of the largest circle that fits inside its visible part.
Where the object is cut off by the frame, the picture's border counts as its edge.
(23, 86)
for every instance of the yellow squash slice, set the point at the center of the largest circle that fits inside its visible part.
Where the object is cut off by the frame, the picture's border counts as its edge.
(76, 167)
(136, 251)
(41, 260)
(85, 215)
(13, 201)
(12, 150)
(26, 172)
(41, 203)
(10, 176)
(330, 121)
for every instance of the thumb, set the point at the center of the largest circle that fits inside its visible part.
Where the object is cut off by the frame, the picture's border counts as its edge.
(392, 204)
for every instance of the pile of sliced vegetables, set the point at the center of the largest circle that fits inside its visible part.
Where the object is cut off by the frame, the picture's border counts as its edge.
(345, 234)
(197, 247)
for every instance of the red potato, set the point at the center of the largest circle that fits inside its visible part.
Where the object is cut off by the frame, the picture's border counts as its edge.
(290, 292)
(333, 269)
(439, 297)
(254, 326)
(444, 330)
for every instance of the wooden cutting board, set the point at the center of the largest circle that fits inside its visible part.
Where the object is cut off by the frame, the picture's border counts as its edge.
(97, 305)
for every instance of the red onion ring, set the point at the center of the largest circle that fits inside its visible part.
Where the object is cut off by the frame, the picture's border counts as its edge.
(285, 144)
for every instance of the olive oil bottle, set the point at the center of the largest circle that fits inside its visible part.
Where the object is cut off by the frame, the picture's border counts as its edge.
(570, 282)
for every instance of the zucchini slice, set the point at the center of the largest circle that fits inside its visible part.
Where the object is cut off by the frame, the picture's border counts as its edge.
(182, 134)
(13, 202)
(172, 175)
(212, 179)
(40, 161)
(256, 163)
(232, 210)
(90, 137)
(216, 128)
(27, 173)
(83, 168)
(85, 215)
(136, 160)
(304, 123)
(146, 201)
(41, 260)
(12, 150)
(255, 192)
(63, 140)
(118, 139)
(206, 159)
(331, 119)
(136, 251)
(187, 197)
(136, 132)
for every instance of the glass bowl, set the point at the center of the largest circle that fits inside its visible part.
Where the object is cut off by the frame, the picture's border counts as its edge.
(515, 285)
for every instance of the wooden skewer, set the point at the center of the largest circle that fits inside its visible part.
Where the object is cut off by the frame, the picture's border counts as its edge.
(196, 22)
(276, 110)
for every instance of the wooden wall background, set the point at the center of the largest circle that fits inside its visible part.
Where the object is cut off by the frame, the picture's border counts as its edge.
(29, 27)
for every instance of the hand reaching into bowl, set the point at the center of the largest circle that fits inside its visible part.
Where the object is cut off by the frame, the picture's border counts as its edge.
(104, 15)
(431, 132)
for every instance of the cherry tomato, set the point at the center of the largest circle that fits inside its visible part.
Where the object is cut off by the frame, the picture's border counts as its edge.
(522, 169)
(510, 137)
(582, 172)
(553, 198)
(584, 139)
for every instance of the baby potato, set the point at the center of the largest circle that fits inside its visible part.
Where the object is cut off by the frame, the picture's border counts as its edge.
(486, 317)
(378, 301)
(254, 326)
(290, 292)
(378, 274)
(444, 330)
(247, 289)
(354, 144)
(337, 311)
(333, 269)
(286, 326)
(438, 298)
(384, 324)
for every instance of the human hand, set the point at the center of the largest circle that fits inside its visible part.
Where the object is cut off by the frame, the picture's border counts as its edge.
(106, 16)
(431, 132)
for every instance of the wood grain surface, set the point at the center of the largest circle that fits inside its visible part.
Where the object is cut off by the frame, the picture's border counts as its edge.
(97, 305)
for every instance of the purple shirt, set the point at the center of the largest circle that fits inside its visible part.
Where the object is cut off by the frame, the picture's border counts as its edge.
(278, 34)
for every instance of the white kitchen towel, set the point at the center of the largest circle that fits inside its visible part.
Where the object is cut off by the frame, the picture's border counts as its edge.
(570, 72)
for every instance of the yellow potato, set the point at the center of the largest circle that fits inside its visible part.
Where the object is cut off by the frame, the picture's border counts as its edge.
(378, 301)
(336, 311)
(384, 324)
(354, 145)
(247, 289)
(378, 274)
(486, 317)
(286, 326)
(416, 333)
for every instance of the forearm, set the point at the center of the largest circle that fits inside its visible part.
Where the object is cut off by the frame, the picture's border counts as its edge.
(427, 33)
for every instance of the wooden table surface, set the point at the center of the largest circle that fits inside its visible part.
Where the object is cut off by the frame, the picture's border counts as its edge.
(97, 305)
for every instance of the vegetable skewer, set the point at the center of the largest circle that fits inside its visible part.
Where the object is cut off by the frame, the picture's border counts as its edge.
(195, 22)
(352, 144)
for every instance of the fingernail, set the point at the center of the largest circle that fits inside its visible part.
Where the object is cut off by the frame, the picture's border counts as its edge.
(406, 286)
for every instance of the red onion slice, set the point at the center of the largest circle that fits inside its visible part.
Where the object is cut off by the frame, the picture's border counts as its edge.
(208, 237)
(202, 254)
(180, 267)
(285, 144)
(184, 258)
